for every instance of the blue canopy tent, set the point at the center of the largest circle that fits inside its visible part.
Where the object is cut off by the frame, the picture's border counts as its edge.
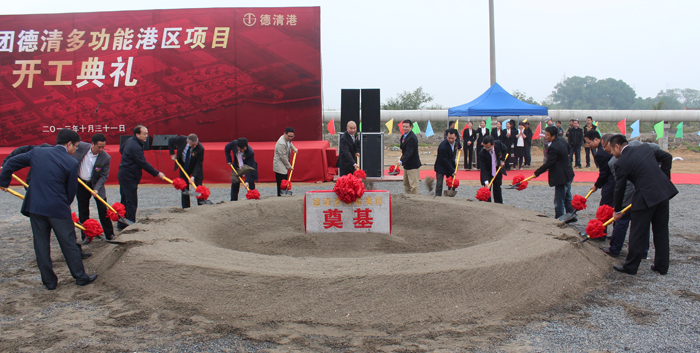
(497, 102)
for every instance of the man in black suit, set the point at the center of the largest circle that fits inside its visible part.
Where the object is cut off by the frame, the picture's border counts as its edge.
(606, 180)
(650, 204)
(47, 204)
(528, 144)
(469, 136)
(348, 150)
(244, 155)
(490, 158)
(575, 135)
(93, 170)
(190, 155)
(459, 139)
(130, 171)
(481, 132)
(560, 172)
(410, 159)
(445, 163)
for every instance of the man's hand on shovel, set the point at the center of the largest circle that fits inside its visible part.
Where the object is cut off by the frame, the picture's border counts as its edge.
(121, 218)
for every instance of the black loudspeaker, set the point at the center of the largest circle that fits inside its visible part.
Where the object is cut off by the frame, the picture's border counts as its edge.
(372, 154)
(146, 145)
(160, 142)
(370, 110)
(349, 107)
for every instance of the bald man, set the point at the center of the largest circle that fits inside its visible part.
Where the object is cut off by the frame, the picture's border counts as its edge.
(348, 150)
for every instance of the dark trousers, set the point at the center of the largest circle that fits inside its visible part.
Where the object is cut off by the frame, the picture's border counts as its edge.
(186, 198)
(438, 183)
(528, 156)
(562, 200)
(128, 190)
(83, 196)
(235, 187)
(591, 151)
(468, 157)
(343, 172)
(657, 216)
(575, 155)
(478, 149)
(496, 191)
(620, 233)
(278, 178)
(65, 234)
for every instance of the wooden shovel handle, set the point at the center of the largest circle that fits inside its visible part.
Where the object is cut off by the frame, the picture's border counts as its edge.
(294, 160)
(20, 181)
(498, 171)
(184, 172)
(239, 177)
(589, 194)
(22, 197)
(613, 218)
(97, 196)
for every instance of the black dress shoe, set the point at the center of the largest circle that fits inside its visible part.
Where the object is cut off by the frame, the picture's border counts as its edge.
(85, 255)
(607, 251)
(623, 270)
(90, 279)
(51, 287)
(653, 268)
(109, 236)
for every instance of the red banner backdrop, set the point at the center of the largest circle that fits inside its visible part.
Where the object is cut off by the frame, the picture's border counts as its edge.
(221, 73)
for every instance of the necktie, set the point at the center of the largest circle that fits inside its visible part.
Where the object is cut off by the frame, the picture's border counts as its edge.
(187, 157)
(493, 163)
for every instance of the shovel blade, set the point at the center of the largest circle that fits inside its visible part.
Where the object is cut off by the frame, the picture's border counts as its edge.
(393, 173)
(191, 193)
(568, 218)
(125, 221)
(207, 202)
(449, 193)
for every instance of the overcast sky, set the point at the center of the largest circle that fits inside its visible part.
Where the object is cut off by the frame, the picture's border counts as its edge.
(444, 45)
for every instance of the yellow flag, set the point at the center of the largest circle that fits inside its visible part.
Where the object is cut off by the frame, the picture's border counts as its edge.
(390, 125)
(525, 120)
(457, 125)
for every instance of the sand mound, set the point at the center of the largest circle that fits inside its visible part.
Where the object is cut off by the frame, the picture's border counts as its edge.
(249, 263)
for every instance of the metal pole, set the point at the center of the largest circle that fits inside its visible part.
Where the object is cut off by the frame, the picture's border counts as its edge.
(492, 36)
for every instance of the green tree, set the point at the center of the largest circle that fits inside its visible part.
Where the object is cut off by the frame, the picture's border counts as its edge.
(590, 93)
(408, 100)
(523, 97)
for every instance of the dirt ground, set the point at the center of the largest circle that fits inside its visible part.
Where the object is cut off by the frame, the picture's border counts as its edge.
(247, 270)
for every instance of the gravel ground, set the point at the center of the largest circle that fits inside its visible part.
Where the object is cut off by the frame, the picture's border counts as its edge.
(642, 313)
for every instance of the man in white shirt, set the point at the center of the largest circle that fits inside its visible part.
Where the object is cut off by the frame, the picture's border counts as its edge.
(93, 170)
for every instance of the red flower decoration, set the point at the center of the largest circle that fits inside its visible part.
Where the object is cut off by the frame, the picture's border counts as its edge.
(349, 188)
(595, 229)
(285, 184)
(180, 184)
(253, 195)
(578, 203)
(360, 174)
(203, 191)
(604, 213)
(121, 211)
(519, 179)
(452, 182)
(522, 186)
(483, 194)
(92, 228)
(392, 168)
(75, 218)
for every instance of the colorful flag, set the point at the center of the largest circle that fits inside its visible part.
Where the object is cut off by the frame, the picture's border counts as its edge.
(401, 127)
(456, 125)
(622, 125)
(503, 124)
(635, 129)
(659, 128)
(538, 131)
(429, 130)
(488, 123)
(360, 126)
(525, 120)
(679, 131)
(331, 127)
(416, 129)
(390, 125)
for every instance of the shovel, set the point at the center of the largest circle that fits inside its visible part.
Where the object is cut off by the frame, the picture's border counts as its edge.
(207, 202)
(241, 179)
(22, 197)
(516, 185)
(396, 168)
(20, 181)
(583, 234)
(121, 219)
(450, 192)
(184, 192)
(288, 191)
(568, 218)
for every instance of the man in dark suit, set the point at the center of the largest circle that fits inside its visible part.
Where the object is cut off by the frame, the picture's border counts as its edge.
(481, 132)
(93, 170)
(528, 144)
(560, 172)
(650, 204)
(445, 163)
(47, 204)
(348, 150)
(130, 171)
(244, 155)
(606, 180)
(490, 158)
(458, 142)
(410, 160)
(20, 150)
(575, 136)
(190, 155)
(469, 136)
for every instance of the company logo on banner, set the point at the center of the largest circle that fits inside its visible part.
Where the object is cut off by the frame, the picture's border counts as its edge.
(219, 73)
(325, 213)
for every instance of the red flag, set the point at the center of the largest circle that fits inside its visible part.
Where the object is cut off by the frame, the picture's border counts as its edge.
(401, 127)
(538, 131)
(622, 125)
(331, 127)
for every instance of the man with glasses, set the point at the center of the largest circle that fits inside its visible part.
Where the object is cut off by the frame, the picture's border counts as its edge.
(280, 164)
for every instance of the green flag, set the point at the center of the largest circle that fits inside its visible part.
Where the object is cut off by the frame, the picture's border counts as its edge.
(659, 128)
(488, 123)
(416, 129)
(360, 126)
(679, 131)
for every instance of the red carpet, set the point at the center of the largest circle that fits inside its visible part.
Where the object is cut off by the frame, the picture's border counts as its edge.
(580, 176)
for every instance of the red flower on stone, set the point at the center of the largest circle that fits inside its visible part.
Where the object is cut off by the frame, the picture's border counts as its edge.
(349, 188)
(360, 174)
